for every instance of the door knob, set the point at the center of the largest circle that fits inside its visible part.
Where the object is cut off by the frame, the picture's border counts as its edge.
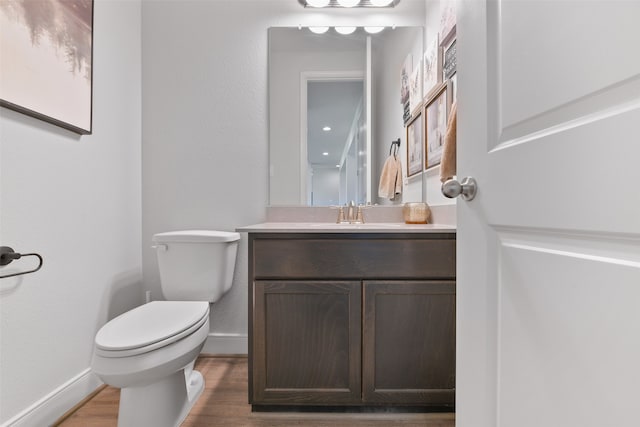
(467, 189)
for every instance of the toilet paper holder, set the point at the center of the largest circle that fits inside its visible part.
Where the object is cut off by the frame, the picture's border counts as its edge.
(8, 255)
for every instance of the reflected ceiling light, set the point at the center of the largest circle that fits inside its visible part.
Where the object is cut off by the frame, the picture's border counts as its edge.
(326, 128)
(318, 3)
(348, 3)
(373, 30)
(325, 154)
(381, 3)
(319, 30)
(345, 30)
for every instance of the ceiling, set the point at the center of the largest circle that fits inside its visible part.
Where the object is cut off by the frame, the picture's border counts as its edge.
(334, 104)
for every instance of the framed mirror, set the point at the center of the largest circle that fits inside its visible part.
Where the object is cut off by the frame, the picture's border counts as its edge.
(334, 109)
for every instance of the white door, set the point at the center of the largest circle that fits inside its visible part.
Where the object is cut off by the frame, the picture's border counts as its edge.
(549, 250)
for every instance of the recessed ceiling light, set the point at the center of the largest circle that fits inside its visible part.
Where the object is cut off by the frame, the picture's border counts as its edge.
(325, 154)
(319, 30)
(373, 30)
(318, 3)
(337, 166)
(345, 30)
(348, 3)
(326, 128)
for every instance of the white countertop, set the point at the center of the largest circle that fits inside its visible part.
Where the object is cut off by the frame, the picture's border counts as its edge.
(321, 227)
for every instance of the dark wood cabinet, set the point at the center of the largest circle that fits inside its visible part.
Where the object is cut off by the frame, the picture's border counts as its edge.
(307, 342)
(352, 319)
(408, 342)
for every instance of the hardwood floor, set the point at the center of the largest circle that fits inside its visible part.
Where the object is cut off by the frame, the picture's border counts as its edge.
(224, 403)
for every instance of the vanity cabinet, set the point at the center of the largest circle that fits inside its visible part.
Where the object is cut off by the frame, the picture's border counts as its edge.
(352, 319)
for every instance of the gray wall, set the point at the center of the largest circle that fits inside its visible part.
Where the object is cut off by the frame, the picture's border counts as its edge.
(205, 123)
(77, 201)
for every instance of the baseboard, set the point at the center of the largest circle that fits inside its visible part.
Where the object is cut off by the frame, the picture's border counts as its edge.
(219, 343)
(47, 410)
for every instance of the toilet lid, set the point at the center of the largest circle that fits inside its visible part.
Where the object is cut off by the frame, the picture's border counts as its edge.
(152, 323)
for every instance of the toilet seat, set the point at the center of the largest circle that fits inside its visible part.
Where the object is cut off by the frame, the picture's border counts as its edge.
(149, 327)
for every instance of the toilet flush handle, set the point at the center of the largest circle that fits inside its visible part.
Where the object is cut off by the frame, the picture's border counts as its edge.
(161, 247)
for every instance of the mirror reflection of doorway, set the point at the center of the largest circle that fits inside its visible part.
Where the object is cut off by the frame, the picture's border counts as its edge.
(335, 142)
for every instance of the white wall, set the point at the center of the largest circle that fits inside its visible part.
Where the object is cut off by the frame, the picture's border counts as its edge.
(326, 186)
(76, 201)
(205, 123)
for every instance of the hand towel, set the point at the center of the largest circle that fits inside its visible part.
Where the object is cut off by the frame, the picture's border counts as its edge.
(448, 163)
(390, 178)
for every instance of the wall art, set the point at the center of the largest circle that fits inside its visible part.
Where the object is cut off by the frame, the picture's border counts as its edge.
(432, 64)
(47, 60)
(436, 126)
(415, 144)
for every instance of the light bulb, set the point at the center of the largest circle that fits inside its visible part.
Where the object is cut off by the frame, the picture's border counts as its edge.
(317, 3)
(381, 3)
(348, 3)
(319, 30)
(373, 30)
(345, 30)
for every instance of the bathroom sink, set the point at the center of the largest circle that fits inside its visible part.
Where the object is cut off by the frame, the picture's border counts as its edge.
(332, 227)
(372, 225)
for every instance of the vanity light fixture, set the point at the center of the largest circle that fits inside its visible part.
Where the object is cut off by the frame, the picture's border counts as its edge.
(319, 30)
(345, 30)
(348, 3)
(326, 128)
(318, 3)
(373, 30)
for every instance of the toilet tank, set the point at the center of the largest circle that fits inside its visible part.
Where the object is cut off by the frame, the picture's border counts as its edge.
(196, 265)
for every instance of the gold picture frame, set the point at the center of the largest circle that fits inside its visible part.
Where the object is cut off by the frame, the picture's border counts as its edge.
(436, 111)
(415, 144)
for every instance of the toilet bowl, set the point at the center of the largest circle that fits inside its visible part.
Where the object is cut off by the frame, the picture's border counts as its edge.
(149, 352)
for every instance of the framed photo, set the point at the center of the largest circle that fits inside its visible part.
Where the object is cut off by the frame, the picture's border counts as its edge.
(405, 75)
(415, 89)
(432, 67)
(415, 144)
(436, 126)
(450, 62)
(453, 89)
(47, 61)
(447, 21)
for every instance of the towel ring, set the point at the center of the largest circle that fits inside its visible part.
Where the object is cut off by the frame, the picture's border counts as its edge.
(8, 255)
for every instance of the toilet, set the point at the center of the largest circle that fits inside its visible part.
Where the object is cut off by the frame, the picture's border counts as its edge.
(149, 352)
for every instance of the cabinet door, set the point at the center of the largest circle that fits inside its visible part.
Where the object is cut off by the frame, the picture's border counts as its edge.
(409, 342)
(306, 342)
